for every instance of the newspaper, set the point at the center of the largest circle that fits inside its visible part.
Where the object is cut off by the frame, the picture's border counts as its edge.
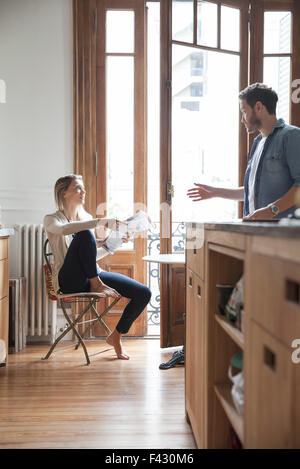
(135, 224)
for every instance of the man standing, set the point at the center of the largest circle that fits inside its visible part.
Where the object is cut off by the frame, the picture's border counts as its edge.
(273, 171)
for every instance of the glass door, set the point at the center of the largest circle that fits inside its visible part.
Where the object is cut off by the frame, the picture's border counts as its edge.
(121, 134)
(205, 107)
(207, 67)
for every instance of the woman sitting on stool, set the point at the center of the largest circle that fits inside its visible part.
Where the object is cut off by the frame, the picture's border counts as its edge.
(76, 250)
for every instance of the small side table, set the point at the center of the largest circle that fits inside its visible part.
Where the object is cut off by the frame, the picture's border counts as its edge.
(178, 356)
(166, 258)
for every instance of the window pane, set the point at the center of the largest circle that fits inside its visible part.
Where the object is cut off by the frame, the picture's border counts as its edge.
(120, 31)
(120, 136)
(182, 20)
(205, 128)
(207, 24)
(277, 73)
(153, 108)
(277, 32)
(153, 200)
(230, 28)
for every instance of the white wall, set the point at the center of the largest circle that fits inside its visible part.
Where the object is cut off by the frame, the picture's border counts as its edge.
(36, 122)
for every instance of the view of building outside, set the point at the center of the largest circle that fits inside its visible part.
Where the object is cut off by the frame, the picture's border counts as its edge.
(205, 111)
(277, 70)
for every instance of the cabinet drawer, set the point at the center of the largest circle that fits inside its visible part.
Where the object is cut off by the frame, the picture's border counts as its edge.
(275, 296)
(269, 395)
(3, 278)
(4, 322)
(195, 249)
(3, 248)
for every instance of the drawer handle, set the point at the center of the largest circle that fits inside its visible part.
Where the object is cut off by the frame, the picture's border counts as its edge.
(190, 282)
(292, 291)
(270, 358)
(199, 291)
(195, 250)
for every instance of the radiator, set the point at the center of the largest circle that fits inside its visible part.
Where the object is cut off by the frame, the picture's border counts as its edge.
(17, 314)
(26, 254)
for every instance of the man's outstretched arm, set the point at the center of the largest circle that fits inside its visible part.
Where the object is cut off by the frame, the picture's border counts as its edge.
(205, 192)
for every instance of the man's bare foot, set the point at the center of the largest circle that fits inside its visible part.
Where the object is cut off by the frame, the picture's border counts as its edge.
(96, 285)
(114, 339)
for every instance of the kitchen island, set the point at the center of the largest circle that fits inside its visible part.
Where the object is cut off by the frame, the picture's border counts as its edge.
(266, 256)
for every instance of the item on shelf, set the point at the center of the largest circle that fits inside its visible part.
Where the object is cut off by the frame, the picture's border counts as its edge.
(239, 313)
(2, 352)
(224, 292)
(237, 390)
(242, 316)
(235, 302)
(234, 440)
(237, 361)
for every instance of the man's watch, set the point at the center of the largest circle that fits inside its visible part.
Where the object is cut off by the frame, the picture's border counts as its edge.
(274, 209)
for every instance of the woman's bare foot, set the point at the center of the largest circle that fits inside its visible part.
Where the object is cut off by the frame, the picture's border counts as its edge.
(96, 285)
(114, 339)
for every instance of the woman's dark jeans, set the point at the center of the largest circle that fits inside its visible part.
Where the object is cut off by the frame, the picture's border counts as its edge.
(80, 265)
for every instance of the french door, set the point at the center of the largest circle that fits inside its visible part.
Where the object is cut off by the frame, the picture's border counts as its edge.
(121, 157)
(206, 64)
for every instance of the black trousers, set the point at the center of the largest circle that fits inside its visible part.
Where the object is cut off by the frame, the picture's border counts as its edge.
(80, 265)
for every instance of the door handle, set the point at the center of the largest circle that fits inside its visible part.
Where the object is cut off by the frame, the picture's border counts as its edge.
(292, 291)
(270, 358)
(170, 191)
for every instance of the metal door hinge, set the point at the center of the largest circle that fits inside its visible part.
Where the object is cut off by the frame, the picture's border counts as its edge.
(170, 191)
(96, 163)
(95, 21)
(169, 84)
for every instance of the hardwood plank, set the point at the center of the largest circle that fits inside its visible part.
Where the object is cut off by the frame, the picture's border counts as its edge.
(61, 403)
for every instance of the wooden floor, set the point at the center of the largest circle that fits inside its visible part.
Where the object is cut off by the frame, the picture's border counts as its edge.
(62, 403)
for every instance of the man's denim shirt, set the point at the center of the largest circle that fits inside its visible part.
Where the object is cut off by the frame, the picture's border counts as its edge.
(278, 169)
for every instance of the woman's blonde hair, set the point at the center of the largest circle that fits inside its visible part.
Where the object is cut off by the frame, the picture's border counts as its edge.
(61, 185)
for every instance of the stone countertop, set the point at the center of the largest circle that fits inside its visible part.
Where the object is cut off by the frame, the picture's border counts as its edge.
(283, 228)
(6, 232)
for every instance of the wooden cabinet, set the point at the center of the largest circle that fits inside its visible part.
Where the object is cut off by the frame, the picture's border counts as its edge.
(270, 393)
(195, 330)
(271, 280)
(276, 304)
(194, 354)
(195, 249)
(4, 282)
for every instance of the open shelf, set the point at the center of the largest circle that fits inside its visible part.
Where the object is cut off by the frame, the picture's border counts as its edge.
(223, 392)
(236, 335)
(230, 252)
